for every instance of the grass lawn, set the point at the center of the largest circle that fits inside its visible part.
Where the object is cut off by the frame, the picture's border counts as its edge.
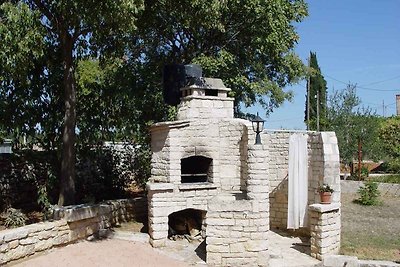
(394, 179)
(371, 232)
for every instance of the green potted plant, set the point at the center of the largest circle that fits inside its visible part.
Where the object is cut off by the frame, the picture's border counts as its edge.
(325, 192)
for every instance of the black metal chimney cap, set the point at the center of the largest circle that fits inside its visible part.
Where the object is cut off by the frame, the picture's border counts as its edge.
(176, 76)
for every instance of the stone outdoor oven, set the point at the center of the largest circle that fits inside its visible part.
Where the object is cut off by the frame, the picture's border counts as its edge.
(206, 164)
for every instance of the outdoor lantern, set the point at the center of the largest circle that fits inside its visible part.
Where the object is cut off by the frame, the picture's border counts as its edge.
(258, 126)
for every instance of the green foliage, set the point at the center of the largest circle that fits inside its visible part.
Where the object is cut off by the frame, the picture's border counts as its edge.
(390, 136)
(14, 218)
(28, 178)
(351, 123)
(318, 95)
(364, 172)
(392, 178)
(115, 51)
(105, 173)
(50, 37)
(369, 194)
(248, 44)
(22, 50)
(142, 165)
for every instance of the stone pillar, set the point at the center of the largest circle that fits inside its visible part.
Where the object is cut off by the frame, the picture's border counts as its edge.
(325, 229)
(238, 225)
(331, 163)
(158, 195)
(257, 180)
(258, 193)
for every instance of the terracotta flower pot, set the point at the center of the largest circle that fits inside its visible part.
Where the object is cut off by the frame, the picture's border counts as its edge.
(325, 197)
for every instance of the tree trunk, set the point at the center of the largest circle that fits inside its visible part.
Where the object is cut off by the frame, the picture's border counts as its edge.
(68, 157)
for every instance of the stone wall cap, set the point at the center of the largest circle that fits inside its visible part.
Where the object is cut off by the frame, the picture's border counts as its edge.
(209, 83)
(159, 186)
(79, 213)
(322, 208)
(169, 125)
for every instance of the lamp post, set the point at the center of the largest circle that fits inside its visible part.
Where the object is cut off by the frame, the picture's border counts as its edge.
(258, 126)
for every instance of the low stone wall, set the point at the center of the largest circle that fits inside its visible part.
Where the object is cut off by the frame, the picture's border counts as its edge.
(325, 229)
(386, 189)
(74, 223)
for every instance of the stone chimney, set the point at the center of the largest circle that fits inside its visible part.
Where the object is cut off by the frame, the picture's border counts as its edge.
(206, 101)
(398, 104)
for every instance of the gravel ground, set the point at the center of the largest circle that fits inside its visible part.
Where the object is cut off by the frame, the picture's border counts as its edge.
(104, 253)
(371, 232)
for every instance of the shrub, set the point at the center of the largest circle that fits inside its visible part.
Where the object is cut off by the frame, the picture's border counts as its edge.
(14, 218)
(364, 172)
(369, 194)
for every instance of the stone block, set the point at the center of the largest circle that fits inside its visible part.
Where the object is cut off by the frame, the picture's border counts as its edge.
(158, 234)
(157, 243)
(43, 245)
(28, 240)
(221, 240)
(20, 252)
(340, 261)
(59, 240)
(218, 248)
(14, 234)
(214, 259)
(219, 221)
(4, 248)
(81, 212)
(13, 244)
(259, 235)
(256, 245)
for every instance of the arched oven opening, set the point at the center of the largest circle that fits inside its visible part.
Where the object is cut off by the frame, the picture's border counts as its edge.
(196, 169)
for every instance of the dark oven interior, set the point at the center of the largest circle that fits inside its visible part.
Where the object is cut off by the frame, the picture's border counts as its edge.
(196, 169)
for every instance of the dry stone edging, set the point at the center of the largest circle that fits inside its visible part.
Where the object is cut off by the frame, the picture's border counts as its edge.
(73, 223)
(352, 261)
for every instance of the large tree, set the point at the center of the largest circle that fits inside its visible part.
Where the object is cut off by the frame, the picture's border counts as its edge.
(70, 30)
(77, 73)
(247, 43)
(353, 123)
(316, 96)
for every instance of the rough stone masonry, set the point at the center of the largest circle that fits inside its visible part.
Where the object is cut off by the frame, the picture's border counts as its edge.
(207, 161)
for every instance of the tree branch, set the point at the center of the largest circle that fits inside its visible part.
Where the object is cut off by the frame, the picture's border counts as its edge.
(46, 12)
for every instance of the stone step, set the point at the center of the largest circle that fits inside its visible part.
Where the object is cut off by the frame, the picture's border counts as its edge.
(276, 262)
(131, 236)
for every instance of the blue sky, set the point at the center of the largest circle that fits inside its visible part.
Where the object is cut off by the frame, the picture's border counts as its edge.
(355, 41)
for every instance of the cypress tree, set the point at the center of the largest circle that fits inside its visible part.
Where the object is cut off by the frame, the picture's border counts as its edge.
(317, 85)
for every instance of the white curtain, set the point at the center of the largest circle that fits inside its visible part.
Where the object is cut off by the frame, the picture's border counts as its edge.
(298, 182)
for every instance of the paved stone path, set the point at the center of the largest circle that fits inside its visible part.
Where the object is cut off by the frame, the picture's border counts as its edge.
(285, 251)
